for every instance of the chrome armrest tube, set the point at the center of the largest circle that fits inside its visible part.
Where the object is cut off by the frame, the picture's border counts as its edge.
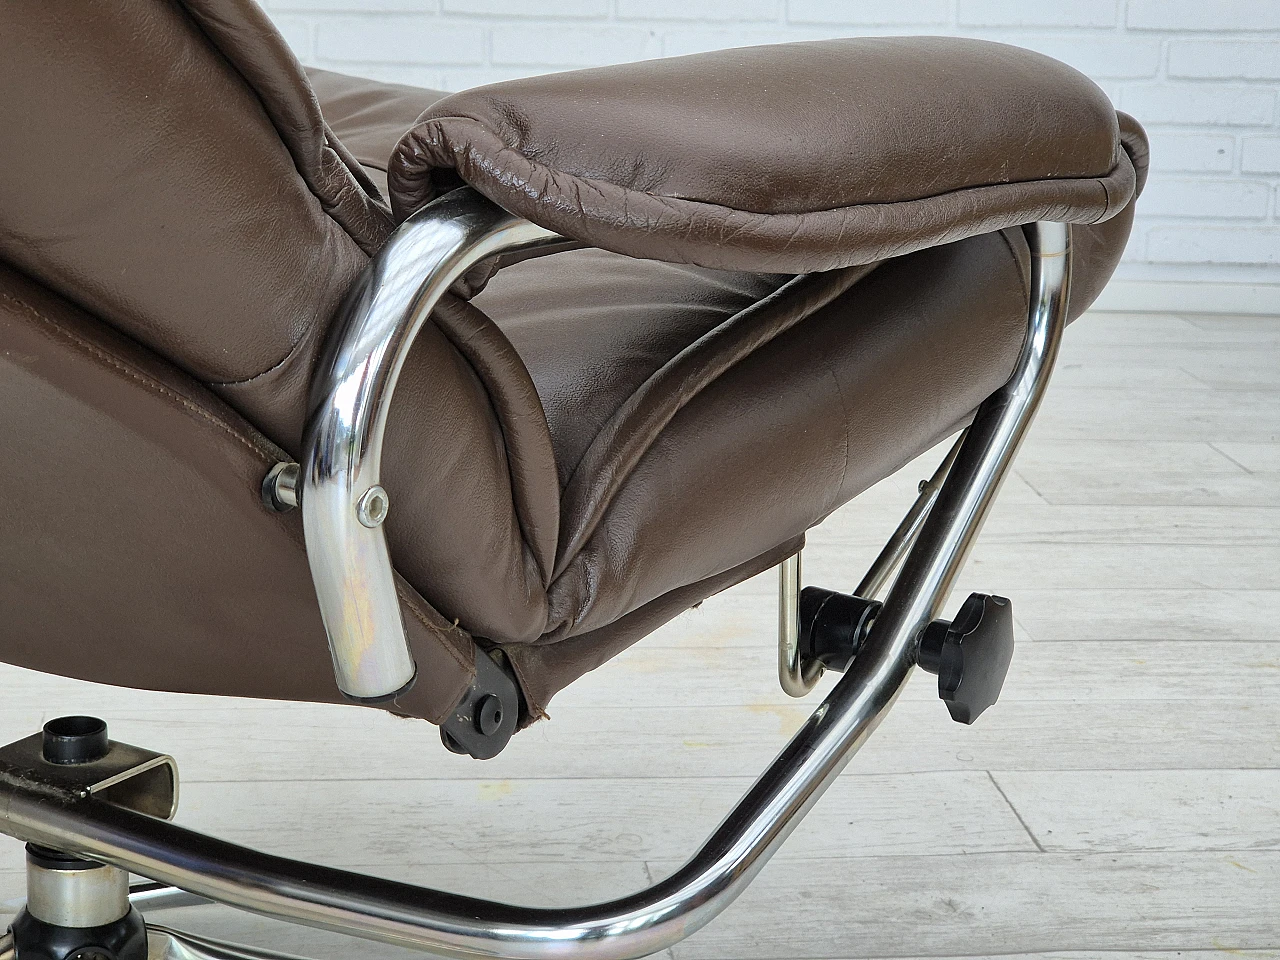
(669, 911)
(342, 498)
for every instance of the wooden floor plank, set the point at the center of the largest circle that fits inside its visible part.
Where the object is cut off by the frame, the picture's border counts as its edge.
(427, 823)
(1105, 613)
(1254, 457)
(999, 904)
(1101, 671)
(1147, 810)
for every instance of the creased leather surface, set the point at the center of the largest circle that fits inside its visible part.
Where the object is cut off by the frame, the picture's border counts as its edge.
(245, 36)
(799, 426)
(145, 180)
(369, 117)
(789, 158)
(593, 328)
(134, 548)
(636, 424)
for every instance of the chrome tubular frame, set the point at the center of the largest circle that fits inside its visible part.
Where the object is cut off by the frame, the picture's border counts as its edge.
(669, 911)
(342, 498)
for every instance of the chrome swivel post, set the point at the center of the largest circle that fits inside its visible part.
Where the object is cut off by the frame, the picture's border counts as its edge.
(76, 909)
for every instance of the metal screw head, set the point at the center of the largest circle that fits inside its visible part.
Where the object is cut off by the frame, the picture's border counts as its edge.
(488, 715)
(373, 506)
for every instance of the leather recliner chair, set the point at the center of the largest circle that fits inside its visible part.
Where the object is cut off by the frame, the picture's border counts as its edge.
(645, 325)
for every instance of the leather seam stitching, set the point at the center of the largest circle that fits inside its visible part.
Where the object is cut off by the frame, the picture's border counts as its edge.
(141, 378)
(538, 711)
(418, 615)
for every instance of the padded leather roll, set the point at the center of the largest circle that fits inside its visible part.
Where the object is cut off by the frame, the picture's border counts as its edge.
(789, 158)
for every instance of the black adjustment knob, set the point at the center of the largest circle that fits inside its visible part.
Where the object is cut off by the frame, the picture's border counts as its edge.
(970, 654)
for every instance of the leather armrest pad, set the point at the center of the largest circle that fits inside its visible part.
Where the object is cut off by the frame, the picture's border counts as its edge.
(788, 158)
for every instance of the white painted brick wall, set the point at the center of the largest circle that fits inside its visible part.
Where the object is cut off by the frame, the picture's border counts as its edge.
(1202, 75)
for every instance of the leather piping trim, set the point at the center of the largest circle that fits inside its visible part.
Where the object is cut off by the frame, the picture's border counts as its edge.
(640, 224)
(631, 431)
(526, 436)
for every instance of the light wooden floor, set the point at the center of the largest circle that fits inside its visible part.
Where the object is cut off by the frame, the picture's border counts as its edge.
(1122, 800)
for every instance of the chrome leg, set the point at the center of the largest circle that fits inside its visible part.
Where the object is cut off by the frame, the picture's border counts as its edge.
(343, 501)
(164, 943)
(146, 896)
(796, 677)
(667, 912)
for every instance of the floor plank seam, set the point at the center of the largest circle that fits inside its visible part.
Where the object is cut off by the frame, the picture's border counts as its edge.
(999, 789)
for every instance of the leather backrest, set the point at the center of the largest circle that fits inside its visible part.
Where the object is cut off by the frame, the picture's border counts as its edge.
(134, 546)
(167, 168)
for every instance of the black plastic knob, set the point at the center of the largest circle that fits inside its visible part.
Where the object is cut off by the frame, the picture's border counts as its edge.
(970, 654)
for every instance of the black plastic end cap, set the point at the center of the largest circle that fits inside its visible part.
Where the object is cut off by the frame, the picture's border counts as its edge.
(833, 626)
(50, 859)
(75, 740)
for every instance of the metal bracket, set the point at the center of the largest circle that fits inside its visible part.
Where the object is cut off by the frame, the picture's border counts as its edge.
(484, 719)
(124, 775)
(280, 487)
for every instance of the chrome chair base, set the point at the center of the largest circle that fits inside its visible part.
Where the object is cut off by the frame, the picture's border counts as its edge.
(121, 828)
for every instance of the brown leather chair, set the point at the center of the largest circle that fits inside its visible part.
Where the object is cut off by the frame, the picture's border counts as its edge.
(645, 325)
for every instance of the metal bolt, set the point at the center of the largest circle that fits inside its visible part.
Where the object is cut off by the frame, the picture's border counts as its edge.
(373, 506)
(281, 487)
(488, 715)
